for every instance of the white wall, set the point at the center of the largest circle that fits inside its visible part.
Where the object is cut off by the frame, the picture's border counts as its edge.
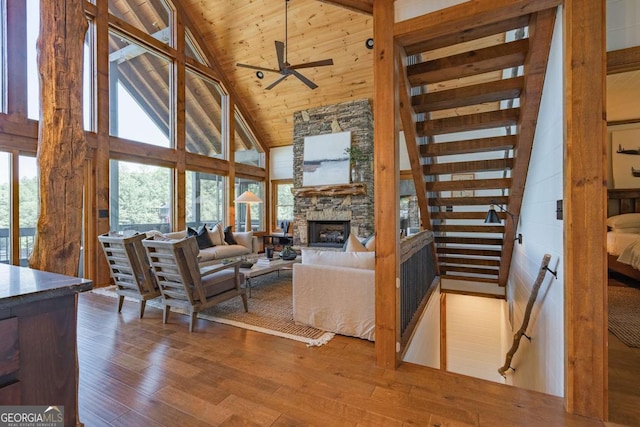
(474, 336)
(540, 364)
(623, 24)
(406, 9)
(424, 348)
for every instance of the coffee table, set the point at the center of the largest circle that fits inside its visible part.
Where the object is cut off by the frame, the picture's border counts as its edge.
(262, 269)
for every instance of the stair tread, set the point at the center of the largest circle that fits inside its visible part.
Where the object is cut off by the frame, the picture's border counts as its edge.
(494, 58)
(468, 146)
(469, 228)
(444, 251)
(467, 201)
(468, 278)
(471, 261)
(474, 184)
(469, 122)
(468, 166)
(497, 90)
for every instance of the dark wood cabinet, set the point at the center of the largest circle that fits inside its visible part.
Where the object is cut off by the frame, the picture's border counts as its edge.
(38, 346)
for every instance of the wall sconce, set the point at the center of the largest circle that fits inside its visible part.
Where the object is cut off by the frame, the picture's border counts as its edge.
(493, 218)
(248, 198)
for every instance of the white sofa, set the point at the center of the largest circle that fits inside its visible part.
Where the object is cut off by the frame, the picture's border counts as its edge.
(247, 244)
(335, 291)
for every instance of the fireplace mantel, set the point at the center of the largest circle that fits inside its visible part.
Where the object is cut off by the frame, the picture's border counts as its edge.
(353, 189)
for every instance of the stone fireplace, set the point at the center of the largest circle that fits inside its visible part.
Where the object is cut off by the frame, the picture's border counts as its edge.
(330, 234)
(350, 204)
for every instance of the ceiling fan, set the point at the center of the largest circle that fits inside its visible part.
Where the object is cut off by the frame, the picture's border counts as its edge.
(284, 68)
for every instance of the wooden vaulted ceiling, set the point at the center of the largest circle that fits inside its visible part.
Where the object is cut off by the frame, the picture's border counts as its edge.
(245, 31)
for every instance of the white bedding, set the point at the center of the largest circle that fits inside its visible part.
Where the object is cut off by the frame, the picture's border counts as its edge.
(626, 246)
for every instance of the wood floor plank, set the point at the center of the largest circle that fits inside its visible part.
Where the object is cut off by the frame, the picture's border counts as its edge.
(136, 372)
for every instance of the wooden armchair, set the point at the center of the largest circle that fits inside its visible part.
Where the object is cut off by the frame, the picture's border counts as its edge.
(184, 285)
(129, 268)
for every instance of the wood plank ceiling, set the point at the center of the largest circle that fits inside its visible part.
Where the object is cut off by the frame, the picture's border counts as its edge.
(242, 31)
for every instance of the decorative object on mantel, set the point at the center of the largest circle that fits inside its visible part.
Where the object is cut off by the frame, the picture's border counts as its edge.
(354, 189)
(357, 157)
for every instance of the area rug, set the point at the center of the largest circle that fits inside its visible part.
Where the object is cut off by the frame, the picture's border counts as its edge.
(624, 314)
(270, 310)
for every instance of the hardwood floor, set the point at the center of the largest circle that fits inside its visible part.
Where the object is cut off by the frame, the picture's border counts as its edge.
(624, 374)
(138, 372)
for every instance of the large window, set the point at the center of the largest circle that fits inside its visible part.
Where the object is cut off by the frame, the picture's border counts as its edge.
(140, 197)
(33, 81)
(87, 81)
(139, 95)
(28, 206)
(5, 207)
(204, 199)
(283, 202)
(257, 209)
(154, 18)
(203, 115)
(247, 150)
(3, 44)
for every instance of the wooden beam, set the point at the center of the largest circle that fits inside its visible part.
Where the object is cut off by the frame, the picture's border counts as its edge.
(386, 167)
(464, 17)
(362, 6)
(585, 192)
(535, 67)
(623, 60)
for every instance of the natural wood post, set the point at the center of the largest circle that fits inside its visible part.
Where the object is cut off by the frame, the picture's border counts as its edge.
(62, 146)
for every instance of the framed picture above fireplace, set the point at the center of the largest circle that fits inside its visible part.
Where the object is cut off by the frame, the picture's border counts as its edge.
(325, 160)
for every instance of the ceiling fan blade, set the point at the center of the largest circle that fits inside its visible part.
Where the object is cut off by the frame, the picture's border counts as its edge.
(280, 54)
(278, 80)
(304, 80)
(312, 64)
(253, 67)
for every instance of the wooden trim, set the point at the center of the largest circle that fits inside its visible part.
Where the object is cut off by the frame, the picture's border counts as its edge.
(624, 122)
(361, 6)
(386, 154)
(585, 272)
(15, 211)
(443, 330)
(623, 60)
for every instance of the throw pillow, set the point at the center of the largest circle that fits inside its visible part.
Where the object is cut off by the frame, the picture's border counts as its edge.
(228, 236)
(202, 236)
(370, 242)
(217, 235)
(354, 245)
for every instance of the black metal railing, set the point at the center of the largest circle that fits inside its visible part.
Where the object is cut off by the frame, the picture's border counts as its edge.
(418, 275)
(27, 239)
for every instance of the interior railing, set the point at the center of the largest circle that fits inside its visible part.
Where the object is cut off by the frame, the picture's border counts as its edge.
(418, 278)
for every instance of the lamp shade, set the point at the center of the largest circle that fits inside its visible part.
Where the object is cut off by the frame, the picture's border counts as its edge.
(492, 217)
(248, 197)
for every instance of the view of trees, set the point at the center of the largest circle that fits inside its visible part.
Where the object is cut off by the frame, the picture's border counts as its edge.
(28, 203)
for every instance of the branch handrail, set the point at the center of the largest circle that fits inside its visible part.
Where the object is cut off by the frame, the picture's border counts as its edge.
(544, 268)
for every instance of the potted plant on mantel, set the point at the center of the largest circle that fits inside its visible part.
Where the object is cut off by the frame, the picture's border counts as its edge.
(357, 157)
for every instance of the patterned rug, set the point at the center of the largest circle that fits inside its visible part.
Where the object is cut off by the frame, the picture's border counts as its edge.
(624, 314)
(270, 310)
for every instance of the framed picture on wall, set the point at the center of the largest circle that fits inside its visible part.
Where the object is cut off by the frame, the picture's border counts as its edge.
(625, 158)
(325, 160)
(462, 177)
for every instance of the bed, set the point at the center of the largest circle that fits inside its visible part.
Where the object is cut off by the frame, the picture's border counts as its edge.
(623, 235)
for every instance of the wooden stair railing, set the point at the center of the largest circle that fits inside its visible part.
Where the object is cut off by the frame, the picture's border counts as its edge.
(544, 268)
(473, 100)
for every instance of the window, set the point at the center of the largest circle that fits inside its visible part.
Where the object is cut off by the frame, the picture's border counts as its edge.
(140, 197)
(283, 202)
(205, 198)
(5, 208)
(87, 81)
(3, 81)
(154, 18)
(192, 49)
(140, 99)
(33, 81)
(247, 150)
(28, 207)
(203, 116)
(257, 209)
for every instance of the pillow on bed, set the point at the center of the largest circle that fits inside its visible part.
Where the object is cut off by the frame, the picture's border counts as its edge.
(624, 221)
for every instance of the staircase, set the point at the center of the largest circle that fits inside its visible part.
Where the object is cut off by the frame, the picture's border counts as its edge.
(475, 95)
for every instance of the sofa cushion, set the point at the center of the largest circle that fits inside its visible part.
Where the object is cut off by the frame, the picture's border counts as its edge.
(217, 234)
(244, 238)
(228, 236)
(354, 245)
(176, 235)
(202, 236)
(370, 242)
(363, 260)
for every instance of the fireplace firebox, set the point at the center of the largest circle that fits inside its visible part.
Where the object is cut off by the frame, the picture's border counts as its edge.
(331, 234)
